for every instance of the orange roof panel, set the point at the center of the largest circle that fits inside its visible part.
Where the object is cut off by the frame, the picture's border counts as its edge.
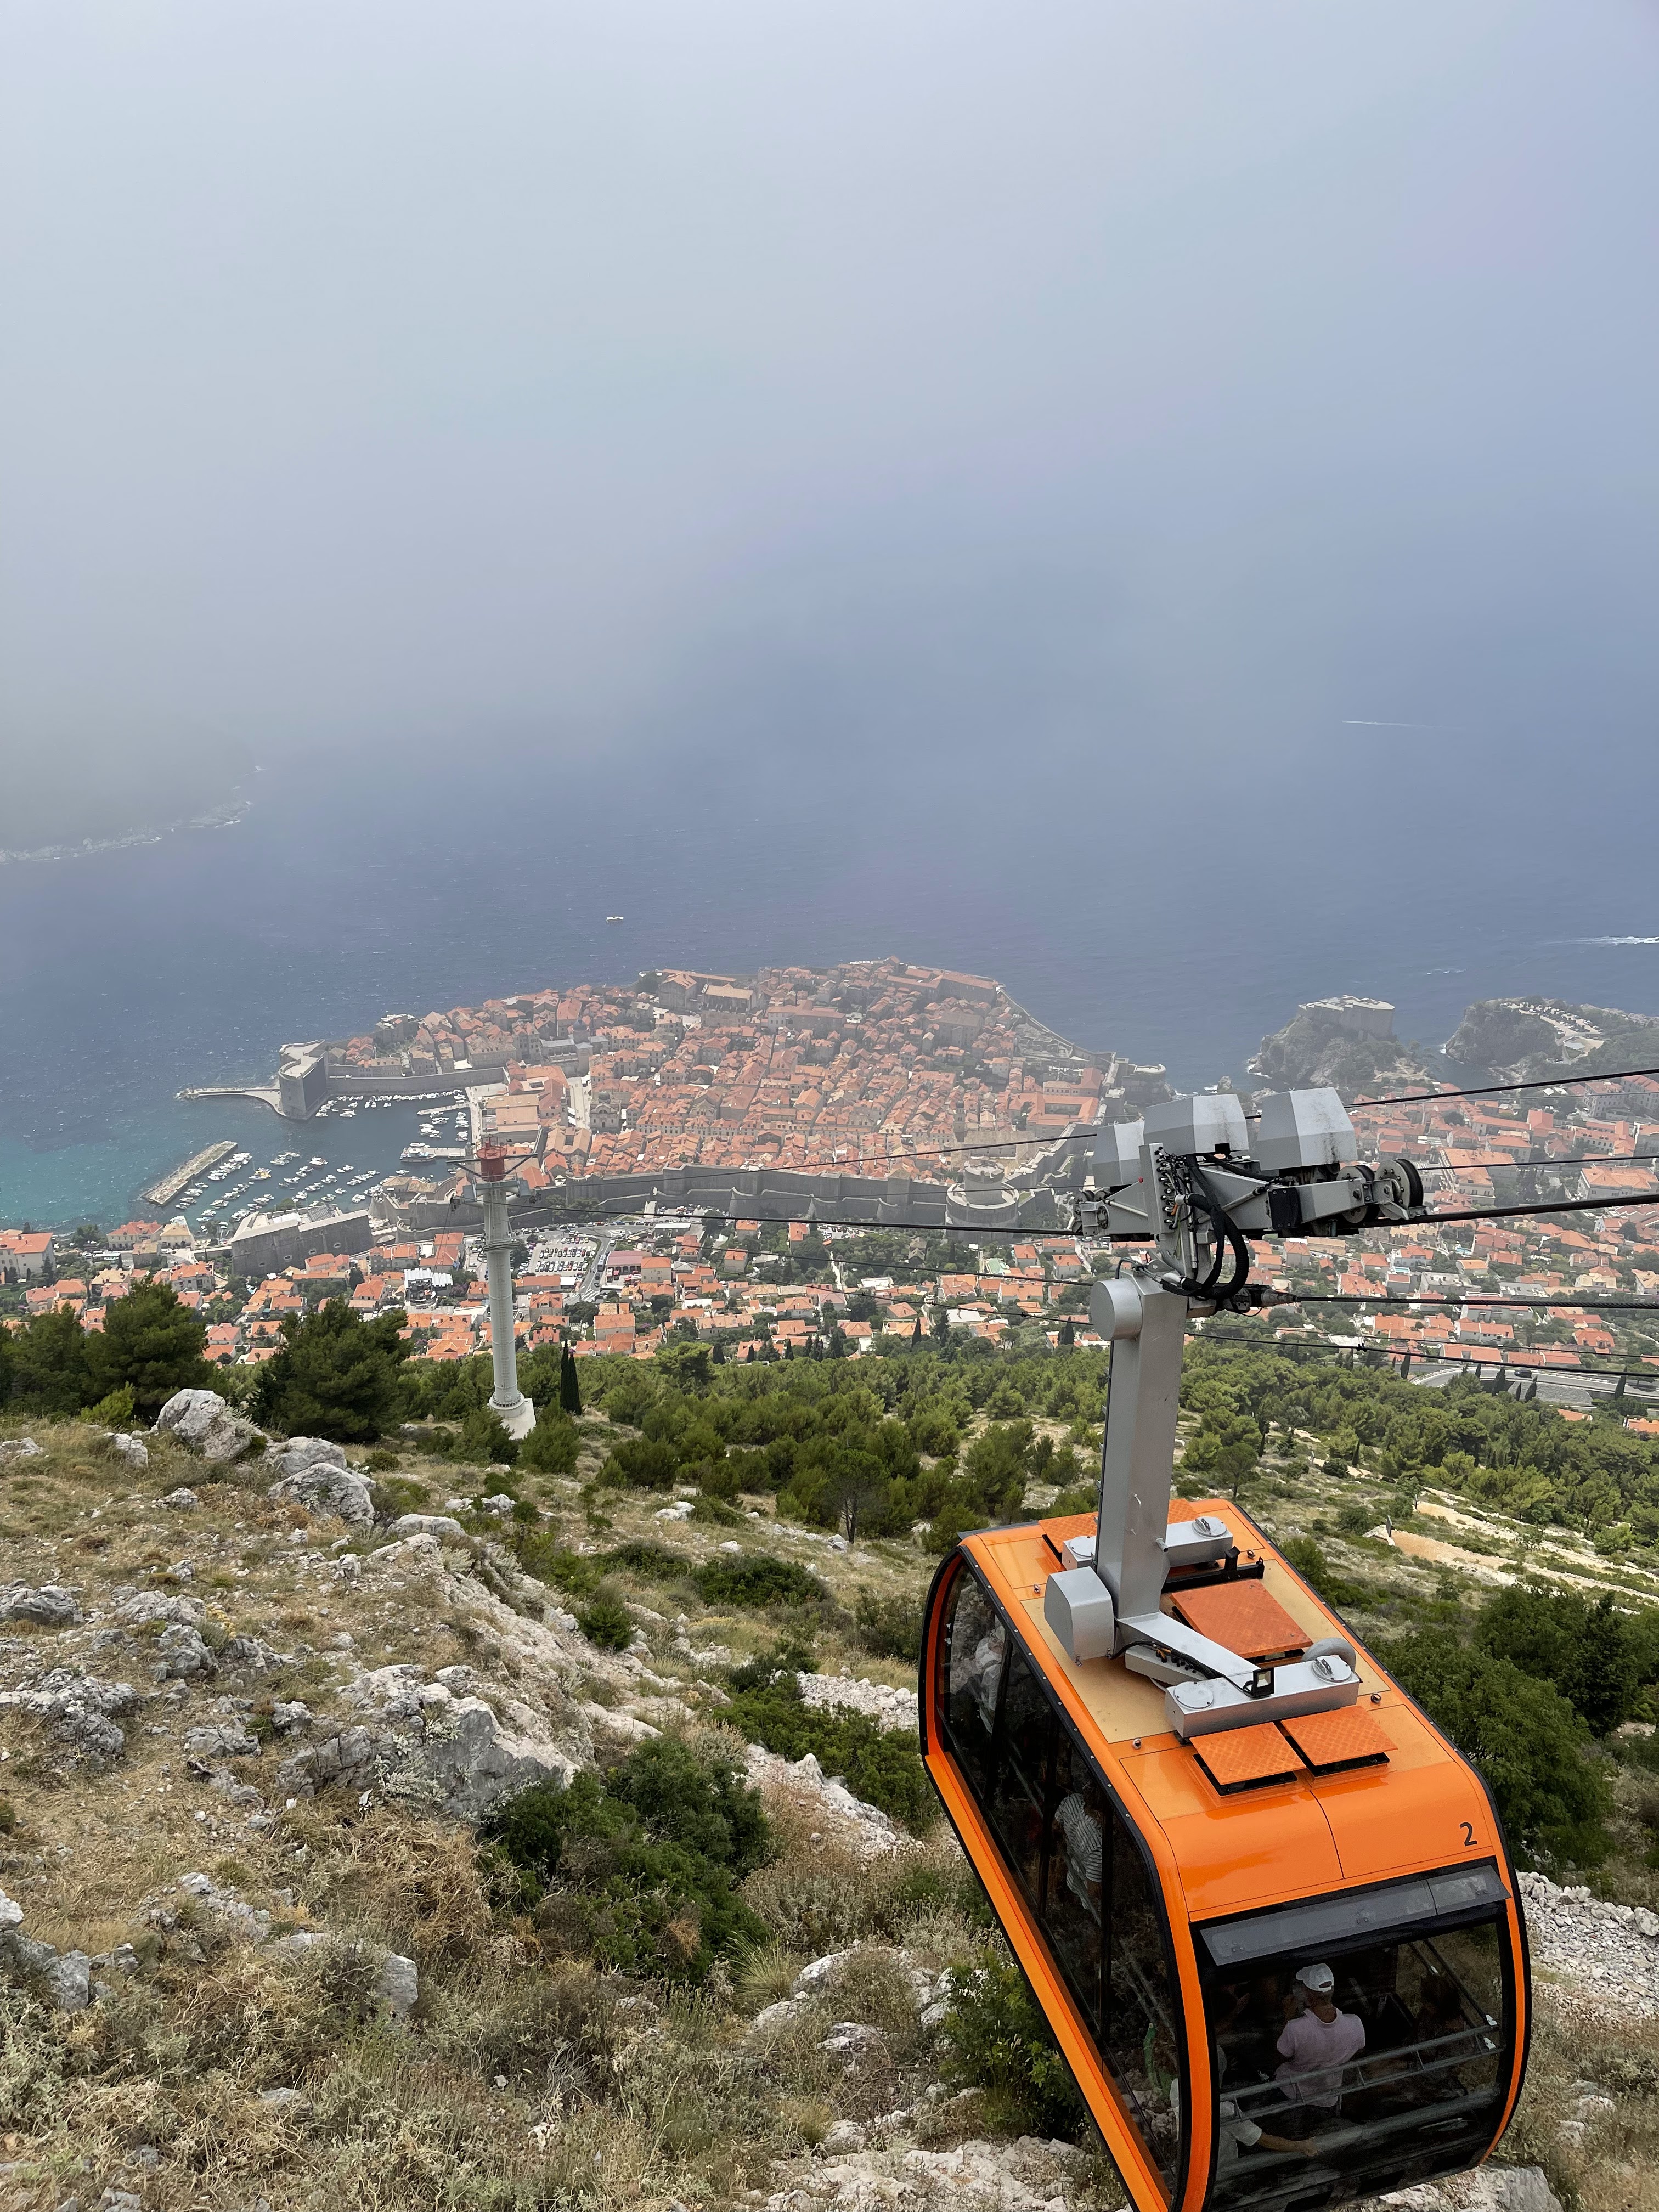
(1347, 1737)
(1246, 1758)
(1242, 1617)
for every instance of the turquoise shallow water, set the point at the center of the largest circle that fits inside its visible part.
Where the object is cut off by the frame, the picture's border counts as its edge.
(125, 976)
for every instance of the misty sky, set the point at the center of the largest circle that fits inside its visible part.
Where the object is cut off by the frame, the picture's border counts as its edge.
(910, 389)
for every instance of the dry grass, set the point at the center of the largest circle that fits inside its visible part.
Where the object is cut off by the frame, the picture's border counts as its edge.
(524, 2078)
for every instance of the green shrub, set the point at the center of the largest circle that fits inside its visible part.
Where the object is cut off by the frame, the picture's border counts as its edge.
(382, 1462)
(399, 1495)
(880, 1765)
(642, 1556)
(484, 1440)
(887, 1627)
(607, 1622)
(1522, 1736)
(118, 1410)
(1310, 1562)
(997, 2040)
(759, 1579)
(1080, 1497)
(652, 1854)
(553, 1446)
(710, 1509)
(640, 1464)
(1588, 1651)
(578, 1574)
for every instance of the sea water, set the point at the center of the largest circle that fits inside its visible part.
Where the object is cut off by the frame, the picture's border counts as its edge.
(126, 977)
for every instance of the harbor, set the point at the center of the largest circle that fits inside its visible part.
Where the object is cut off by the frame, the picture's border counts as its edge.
(164, 1191)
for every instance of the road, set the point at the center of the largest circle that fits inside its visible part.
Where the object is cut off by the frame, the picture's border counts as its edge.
(1554, 1386)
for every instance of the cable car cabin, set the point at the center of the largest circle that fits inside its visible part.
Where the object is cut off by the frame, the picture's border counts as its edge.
(1285, 1962)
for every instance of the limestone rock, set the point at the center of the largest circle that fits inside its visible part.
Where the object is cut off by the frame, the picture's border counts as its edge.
(79, 1709)
(398, 1985)
(68, 1981)
(1604, 1953)
(476, 1762)
(299, 1453)
(221, 1740)
(853, 2038)
(1027, 2176)
(182, 1656)
(132, 1452)
(888, 1707)
(233, 1913)
(288, 1714)
(866, 1827)
(137, 1609)
(181, 1500)
(202, 1419)
(427, 1524)
(51, 1605)
(312, 1473)
(1490, 2188)
(19, 1448)
(63, 1978)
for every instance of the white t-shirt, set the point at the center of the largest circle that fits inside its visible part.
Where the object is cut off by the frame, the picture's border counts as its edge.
(1315, 2051)
(1233, 2132)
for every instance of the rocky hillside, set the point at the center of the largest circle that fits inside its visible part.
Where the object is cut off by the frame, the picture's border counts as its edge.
(261, 1711)
(1521, 1040)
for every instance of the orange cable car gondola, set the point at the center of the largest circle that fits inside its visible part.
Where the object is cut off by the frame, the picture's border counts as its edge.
(1267, 1908)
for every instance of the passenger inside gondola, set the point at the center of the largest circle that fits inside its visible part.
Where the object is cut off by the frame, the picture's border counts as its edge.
(1385, 2066)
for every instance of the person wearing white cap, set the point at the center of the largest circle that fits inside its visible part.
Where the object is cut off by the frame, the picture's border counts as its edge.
(1318, 2042)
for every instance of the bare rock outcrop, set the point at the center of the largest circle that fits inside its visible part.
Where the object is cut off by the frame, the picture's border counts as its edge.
(63, 1978)
(418, 1740)
(312, 1472)
(78, 1711)
(202, 1419)
(51, 1605)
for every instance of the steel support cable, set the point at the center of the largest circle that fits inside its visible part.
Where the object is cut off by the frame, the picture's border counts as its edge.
(1079, 1136)
(994, 1145)
(1294, 1348)
(1493, 1090)
(1027, 1230)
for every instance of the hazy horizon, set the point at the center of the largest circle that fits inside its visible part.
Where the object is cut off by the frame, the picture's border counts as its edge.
(1101, 393)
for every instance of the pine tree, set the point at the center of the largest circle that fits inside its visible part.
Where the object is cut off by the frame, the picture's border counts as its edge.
(51, 1372)
(151, 1345)
(337, 1376)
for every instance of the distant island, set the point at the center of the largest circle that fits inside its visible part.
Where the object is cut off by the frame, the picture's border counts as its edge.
(217, 817)
(71, 797)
